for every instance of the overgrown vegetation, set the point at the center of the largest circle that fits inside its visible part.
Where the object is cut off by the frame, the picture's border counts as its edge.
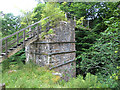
(21, 76)
(16, 59)
(98, 49)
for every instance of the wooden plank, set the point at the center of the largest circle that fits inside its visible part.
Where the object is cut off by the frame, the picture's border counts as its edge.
(37, 31)
(24, 38)
(12, 48)
(3, 54)
(17, 38)
(15, 50)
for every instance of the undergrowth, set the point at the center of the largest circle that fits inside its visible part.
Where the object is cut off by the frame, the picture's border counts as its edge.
(33, 76)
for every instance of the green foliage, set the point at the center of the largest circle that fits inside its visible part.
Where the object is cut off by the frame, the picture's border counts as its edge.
(105, 11)
(16, 59)
(37, 12)
(26, 18)
(54, 13)
(97, 11)
(0, 34)
(10, 24)
(111, 83)
(5, 65)
(85, 39)
(90, 81)
(117, 74)
(43, 78)
(50, 31)
(21, 78)
(77, 9)
(103, 57)
(98, 50)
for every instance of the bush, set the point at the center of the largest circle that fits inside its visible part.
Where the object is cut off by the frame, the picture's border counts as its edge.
(90, 81)
(103, 57)
(54, 13)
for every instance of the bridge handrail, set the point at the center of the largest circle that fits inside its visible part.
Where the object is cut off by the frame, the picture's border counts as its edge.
(28, 27)
(24, 29)
(5, 45)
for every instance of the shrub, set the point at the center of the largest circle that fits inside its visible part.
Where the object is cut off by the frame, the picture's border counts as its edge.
(102, 58)
(90, 81)
(54, 13)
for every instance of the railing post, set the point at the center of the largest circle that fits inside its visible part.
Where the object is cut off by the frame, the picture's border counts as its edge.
(65, 15)
(17, 38)
(34, 32)
(30, 32)
(6, 47)
(40, 28)
(24, 38)
(37, 31)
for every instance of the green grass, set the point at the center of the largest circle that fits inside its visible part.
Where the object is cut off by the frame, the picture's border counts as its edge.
(33, 76)
(27, 76)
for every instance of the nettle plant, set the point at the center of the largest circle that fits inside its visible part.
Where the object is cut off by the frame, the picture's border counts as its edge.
(103, 57)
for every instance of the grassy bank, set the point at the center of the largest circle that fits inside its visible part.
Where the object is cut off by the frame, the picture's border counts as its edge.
(33, 76)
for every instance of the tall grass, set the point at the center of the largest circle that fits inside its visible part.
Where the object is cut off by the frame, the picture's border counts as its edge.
(33, 76)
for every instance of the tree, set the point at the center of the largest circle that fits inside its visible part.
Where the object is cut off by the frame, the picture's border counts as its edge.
(10, 24)
(77, 9)
(53, 11)
(37, 12)
(103, 57)
(26, 18)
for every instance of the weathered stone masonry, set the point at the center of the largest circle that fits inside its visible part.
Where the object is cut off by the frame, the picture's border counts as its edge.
(56, 50)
